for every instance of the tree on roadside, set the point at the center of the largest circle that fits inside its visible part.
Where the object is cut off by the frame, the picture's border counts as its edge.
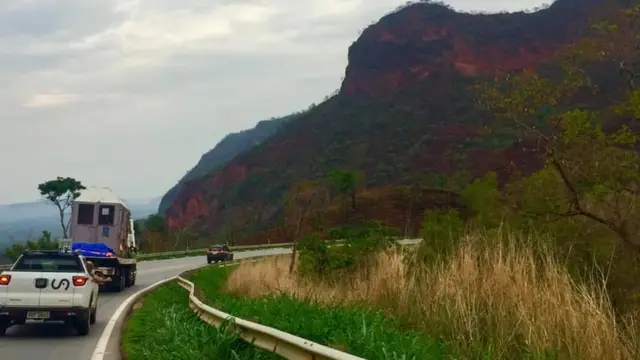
(346, 183)
(298, 202)
(585, 125)
(138, 230)
(154, 222)
(229, 235)
(61, 192)
(182, 236)
(154, 233)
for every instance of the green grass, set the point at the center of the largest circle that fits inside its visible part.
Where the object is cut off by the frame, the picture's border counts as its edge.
(360, 331)
(164, 328)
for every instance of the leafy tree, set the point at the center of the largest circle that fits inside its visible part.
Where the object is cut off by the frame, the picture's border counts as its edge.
(484, 198)
(346, 182)
(229, 235)
(361, 244)
(441, 231)
(155, 223)
(43, 243)
(61, 192)
(597, 170)
(183, 236)
(138, 227)
(154, 233)
(298, 202)
(138, 230)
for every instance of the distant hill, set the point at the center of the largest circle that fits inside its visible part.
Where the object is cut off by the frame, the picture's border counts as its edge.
(229, 147)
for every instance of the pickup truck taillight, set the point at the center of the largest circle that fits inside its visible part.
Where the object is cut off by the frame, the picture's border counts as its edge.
(79, 280)
(5, 279)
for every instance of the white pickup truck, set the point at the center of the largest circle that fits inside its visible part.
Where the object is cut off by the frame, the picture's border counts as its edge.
(48, 286)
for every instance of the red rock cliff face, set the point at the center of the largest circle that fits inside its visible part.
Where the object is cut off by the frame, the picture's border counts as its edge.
(193, 202)
(393, 57)
(405, 47)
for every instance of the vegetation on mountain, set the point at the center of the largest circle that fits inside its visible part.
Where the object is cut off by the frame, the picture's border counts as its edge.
(152, 235)
(61, 192)
(405, 116)
(230, 146)
(597, 171)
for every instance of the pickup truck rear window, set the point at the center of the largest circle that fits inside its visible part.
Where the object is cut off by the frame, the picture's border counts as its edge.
(48, 263)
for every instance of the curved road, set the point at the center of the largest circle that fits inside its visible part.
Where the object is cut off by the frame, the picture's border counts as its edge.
(57, 342)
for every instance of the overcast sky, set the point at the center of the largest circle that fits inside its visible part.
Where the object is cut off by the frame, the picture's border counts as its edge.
(129, 94)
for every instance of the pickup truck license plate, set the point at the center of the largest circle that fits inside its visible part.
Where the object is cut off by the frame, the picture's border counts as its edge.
(36, 315)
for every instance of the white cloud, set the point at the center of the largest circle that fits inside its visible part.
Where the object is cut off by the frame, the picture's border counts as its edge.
(48, 100)
(130, 93)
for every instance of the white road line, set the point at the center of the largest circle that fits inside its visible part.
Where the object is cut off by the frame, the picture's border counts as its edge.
(101, 346)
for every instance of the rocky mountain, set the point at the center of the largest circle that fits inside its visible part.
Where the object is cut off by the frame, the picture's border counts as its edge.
(230, 146)
(404, 113)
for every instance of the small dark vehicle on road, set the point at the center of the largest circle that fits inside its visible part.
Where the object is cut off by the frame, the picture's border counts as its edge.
(218, 253)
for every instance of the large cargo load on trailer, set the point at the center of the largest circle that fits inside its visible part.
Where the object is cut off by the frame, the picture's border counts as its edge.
(100, 216)
(102, 231)
(92, 250)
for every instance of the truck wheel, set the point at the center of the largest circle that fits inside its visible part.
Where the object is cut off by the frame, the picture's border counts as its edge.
(129, 278)
(3, 328)
(120, 285)
(83, 325)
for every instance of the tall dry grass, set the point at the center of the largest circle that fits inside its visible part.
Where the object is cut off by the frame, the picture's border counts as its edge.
(491, 299)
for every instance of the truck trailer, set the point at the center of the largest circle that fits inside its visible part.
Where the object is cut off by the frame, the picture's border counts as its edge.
(102, 231)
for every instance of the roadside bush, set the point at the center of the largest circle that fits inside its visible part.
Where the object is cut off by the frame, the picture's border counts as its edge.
(441, 231)
(361, 243)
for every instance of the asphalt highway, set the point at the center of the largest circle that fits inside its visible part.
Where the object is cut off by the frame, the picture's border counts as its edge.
(58, 342)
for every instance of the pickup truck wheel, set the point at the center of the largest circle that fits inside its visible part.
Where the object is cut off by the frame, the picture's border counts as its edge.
(82, 326)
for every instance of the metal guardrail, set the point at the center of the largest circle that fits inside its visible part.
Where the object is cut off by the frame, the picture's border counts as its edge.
(286, 345)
